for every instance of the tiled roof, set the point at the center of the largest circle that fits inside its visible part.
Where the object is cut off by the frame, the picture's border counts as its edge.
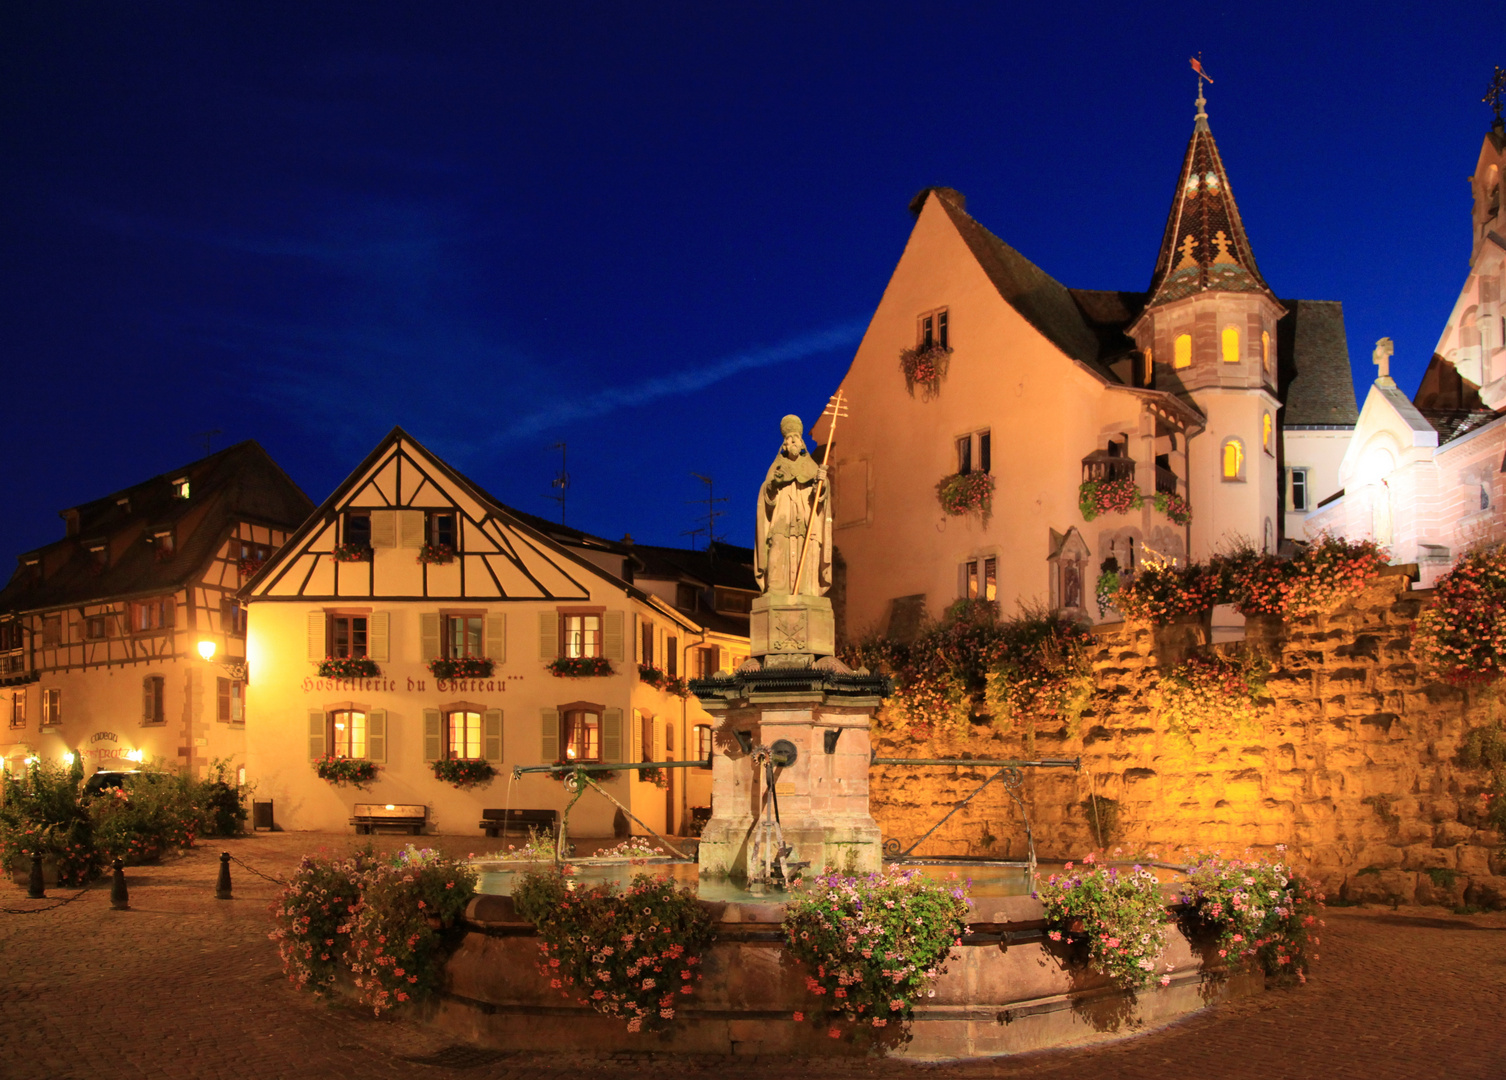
(1204, 246)
(1312, 364)
(239, 483)
(730, 567)
(1452, 423)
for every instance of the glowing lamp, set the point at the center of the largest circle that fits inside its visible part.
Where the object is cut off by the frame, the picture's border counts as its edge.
(68, 758)
(391, 806)
(206, 649)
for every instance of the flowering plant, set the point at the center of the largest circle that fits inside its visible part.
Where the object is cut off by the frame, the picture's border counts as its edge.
(1462, 635)
(962, 493)
(580, 667)
(464, 772)
(311, 918)
(248, 567)
(343, 770)
(634, 847)
(432, 554)
(654, 776)
(1174, 506)
(461, 667)
(924, 366)
(1107, 588)
(1119, 913)
(1120, 496)
(1262, 911)
(632, 954)
(539, 847)
(1159, 592)
(348, 667)
(351, 553)
(1209, 688)
(1042, 672)
(874, 943)
(394, 947)
(1329, 571)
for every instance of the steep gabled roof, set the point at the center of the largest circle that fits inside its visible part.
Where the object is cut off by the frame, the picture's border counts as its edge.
(1204, 246)
(239, 483)
(1313, 377)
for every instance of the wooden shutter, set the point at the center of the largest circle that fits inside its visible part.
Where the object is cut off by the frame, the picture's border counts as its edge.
(428, 624)
(316, 735)
(376, 735)
(611, 735)
(148, 701)
(611, 636)
(383, 529)
(491, 736)
(549, 731)
(433, 735)
(549, 635)
(658, 739)
(496, 636)
(638, 736)
(410, 528)
(318, 646)
(378, 636)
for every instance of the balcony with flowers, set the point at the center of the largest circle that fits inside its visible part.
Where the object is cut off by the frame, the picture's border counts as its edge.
(1109, 487)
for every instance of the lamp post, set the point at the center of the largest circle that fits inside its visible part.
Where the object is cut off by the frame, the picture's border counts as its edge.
(236, 670)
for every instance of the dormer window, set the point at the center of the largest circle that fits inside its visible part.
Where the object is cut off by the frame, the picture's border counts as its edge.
(180, 488)
(164, 543)
(124, 503)
(442, 531)
(99, 554)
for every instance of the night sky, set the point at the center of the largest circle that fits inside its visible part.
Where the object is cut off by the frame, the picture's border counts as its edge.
(648, 230)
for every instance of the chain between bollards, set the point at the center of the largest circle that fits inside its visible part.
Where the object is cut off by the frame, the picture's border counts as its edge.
(222, 887)
(120, 900)
(36, 888)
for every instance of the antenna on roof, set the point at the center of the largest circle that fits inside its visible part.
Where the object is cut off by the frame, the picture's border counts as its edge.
(560, 483)
(207, 436)
(712, 513)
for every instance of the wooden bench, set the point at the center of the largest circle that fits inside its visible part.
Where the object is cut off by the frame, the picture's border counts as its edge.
(499, 822)
(368, 817)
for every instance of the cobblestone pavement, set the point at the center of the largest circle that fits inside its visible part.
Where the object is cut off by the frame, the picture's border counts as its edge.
(183, 985)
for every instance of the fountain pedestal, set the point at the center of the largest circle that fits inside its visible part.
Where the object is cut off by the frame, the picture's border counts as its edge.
(822, 708)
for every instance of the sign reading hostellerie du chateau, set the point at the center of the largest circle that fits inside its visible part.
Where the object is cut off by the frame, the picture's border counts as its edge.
(410, 685)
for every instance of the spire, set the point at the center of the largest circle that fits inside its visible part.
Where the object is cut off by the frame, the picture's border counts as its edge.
(1205, 247)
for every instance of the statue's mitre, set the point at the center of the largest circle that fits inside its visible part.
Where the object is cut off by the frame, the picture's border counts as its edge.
(791, 425)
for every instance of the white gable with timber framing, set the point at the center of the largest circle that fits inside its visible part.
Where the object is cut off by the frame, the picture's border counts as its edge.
(355, 628)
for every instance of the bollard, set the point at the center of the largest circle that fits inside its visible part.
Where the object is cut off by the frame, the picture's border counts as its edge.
(36, 888)
(120, 900)
(222, 887)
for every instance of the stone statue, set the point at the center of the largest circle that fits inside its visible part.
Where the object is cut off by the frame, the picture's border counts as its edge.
(784, 514)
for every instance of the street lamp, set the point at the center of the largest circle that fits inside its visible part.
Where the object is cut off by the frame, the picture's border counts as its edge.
(207, 649)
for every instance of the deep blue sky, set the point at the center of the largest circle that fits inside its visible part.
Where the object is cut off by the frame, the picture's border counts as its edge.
(646, 229)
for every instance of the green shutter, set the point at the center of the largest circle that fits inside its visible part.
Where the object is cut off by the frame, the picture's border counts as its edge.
(378, 635)
(148, 701)
(549, 635)
(491, 736)
(496, 636)
(433, 735)
(316, 735)
(428, 623)
(611, 735)
(376, 735)
(611, 636)
(549, 730)
(317, 643)
(637, 736)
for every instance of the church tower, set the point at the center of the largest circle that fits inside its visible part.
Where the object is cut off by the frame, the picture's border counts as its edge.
(1208, 332)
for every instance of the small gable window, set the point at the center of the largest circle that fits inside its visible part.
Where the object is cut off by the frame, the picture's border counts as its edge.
(934, 330)
(1234, 460)
(1181, 351)
(1230, 341)
(181, 488)
(357, 529)
(442, 531)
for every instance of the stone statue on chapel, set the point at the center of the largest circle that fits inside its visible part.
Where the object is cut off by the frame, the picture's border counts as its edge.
(787, 544)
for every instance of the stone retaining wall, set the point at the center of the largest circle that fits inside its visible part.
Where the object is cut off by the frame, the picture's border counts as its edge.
(1353, 766)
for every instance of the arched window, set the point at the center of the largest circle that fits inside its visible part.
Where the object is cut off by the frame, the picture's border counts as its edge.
(581, 731)
(1234, 460)
(1148, 372)
(1231, 344)
(1265, 352)
(1267, 434)
(347, 729)
(463, 728)
(1181, 351)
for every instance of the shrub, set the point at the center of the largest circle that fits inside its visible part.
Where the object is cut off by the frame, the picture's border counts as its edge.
(42, 811)
(1159, 592)
(631, 954)
(464, 773)
(1119, 914)
(873, 944)
(1042, 671)
(1462, 635)
(1263, 912)
(154, 812)
(1485, 748)
(312, 918)
(1208, 688)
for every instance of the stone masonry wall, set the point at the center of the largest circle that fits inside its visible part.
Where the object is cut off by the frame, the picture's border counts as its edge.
(1353, 766)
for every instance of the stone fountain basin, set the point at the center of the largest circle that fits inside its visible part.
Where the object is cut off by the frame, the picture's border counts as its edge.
(1013, 991)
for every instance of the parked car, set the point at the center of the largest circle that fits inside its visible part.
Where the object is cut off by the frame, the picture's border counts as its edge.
(108, 778)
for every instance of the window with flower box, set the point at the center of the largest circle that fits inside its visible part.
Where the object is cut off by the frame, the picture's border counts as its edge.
(347, 635)
(232, 618)
(347, 733)
(463, 731)
(646, 643)
(934, 329)
(348, 729)
(581, 731)
(442, 529)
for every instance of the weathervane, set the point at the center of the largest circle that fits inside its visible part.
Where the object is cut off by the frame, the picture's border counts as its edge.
(1197, 66)
(1494, 94)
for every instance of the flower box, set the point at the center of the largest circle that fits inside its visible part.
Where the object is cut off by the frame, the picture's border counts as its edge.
(249, 567)
(580, 667)
(964, 493)
(436, 554)
(348, 667)
(464, 773)
(358, 772)
(351, 553)
(1120, 496)
(924, 366)
(670, 684)
(464, 667)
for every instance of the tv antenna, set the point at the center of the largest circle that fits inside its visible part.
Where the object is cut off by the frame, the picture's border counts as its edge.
(208, 437)
(712, 513)
(560, 483)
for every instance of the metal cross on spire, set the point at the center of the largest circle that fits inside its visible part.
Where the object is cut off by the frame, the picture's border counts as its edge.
(1494, 94)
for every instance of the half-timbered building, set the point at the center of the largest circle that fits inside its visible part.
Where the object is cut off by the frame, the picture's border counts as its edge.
(414, 619)
(103, 633)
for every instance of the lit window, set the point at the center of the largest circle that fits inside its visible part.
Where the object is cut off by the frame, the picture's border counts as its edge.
(1299, 489)
(1181, 351)
(52, 708)
(970, 590)
(702, 741)
(347, 733)
(462, 636)
(580, 635)
(581, 735)
(1231, 344)
(1147, 375)
(1234, 460)
(1267, 434)
(464, 735)
(990, 579)
(1265, 351)
(180, 488)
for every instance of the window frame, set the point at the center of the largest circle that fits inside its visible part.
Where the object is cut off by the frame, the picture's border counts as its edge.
(332, 618)
(934, 327)
(1237, 445)
(1268, 434)
(158, 685)
(230, 700)
(18, 708)
(161, 615)
(1181, 352)
(353, 710)
(99, 623)
(355, 536)
(703, 742)
(1297, 477)
(447, 714)
(232, 617)
(52, 707)
(582, 709)
(1228, 353)
(432, 521)
(446, 636)
(566, 615)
